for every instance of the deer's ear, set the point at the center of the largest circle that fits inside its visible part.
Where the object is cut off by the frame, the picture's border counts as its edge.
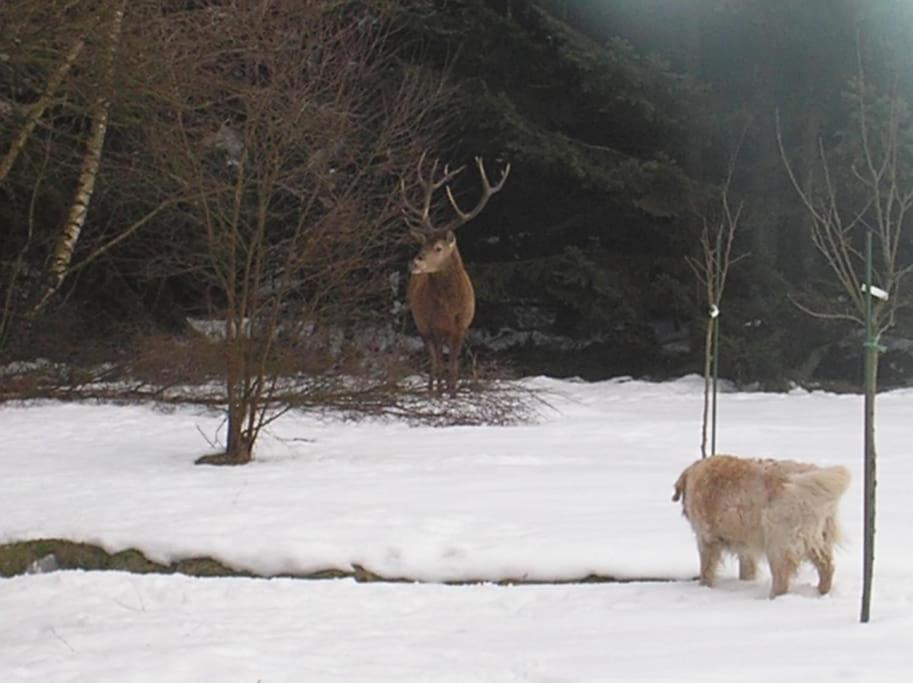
(450, 237)
(417, 235)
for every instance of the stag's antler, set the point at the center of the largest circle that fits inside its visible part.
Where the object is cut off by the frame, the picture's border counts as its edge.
(418, 218)
(487, 191)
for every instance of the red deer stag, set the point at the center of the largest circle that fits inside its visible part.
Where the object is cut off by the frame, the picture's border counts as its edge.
(440, 293)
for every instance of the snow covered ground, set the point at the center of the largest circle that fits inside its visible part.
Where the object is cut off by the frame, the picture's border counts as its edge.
(584, 491)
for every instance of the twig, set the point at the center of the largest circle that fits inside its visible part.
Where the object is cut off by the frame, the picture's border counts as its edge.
(60, 638)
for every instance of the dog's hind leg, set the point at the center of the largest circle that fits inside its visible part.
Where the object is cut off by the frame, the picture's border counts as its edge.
(748, 567)
(782, 568)
(823, 559)
(711, 553)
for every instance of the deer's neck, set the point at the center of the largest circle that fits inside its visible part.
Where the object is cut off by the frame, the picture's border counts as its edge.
(452, 268)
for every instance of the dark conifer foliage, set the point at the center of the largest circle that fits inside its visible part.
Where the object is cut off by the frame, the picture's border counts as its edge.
(619, 119)
(586, 244)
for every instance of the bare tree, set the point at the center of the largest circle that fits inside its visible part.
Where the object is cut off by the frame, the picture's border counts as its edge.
(62, 255)
(865, 184)
(711, 269)
(40, 45)
(65, 64)
(864, 194)
(288, 125)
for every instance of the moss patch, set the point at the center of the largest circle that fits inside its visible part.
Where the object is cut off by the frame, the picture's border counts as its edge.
(15, 558)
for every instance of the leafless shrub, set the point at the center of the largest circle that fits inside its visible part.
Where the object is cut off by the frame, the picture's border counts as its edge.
(288, 126)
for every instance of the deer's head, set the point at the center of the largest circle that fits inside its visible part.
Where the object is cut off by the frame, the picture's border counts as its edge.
(438, 243)
(435, 253)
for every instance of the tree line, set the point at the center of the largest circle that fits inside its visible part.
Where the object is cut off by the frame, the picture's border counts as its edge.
(242, 161)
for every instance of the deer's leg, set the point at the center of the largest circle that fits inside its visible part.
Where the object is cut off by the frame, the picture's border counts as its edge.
(434, 356)
(456, 345)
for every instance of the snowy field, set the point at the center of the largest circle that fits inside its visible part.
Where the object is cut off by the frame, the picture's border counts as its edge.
(586, 490)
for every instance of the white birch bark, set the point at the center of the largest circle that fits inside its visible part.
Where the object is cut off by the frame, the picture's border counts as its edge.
(85, 187)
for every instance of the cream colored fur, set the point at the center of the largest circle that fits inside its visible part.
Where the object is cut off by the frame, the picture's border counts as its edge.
(782, 509)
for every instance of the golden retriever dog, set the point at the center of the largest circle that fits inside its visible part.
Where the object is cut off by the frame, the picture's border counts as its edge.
(779, 508)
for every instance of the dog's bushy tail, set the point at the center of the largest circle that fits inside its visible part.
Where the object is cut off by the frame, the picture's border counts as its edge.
(824, 485)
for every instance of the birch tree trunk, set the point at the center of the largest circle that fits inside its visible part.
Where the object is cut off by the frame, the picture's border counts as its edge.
(37, 110)
(85, 187)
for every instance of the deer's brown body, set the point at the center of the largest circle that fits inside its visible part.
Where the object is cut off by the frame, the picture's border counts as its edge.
(443, 304)
(440, 293)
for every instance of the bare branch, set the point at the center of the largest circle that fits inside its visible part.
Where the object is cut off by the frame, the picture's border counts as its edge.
(37, 110)
(825, 315)
(805, 198)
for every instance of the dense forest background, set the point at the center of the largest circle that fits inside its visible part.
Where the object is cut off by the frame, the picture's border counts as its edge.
(621, 120)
